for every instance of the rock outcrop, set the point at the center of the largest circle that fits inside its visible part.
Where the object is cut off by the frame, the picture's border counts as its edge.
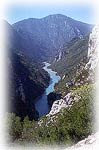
(92, 143)
(67, 101)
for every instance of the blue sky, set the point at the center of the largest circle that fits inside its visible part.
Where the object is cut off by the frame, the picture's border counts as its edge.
(79, 12)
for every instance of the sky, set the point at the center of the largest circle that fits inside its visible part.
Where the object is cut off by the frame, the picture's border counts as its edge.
(79, 12)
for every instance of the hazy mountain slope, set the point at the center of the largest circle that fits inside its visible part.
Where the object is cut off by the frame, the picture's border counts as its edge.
(13, 39)
(72, 54)
(50, 33)
(18, 42)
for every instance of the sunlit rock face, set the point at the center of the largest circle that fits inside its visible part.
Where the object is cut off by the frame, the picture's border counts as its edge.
(93, 52)
(67, 101)
(90, 67)
(91, 142)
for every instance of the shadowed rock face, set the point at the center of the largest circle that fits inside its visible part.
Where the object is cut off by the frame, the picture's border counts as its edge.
(27, 82)
(27, 79)
(53, 97)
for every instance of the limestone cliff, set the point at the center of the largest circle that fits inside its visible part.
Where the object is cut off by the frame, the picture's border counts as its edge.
(84, 75)
(93, 54)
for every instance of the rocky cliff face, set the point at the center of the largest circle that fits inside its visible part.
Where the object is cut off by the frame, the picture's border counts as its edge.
(71, 98)
(84, 75)
(93, 54)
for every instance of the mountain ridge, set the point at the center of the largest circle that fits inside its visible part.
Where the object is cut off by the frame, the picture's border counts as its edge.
(61, 15)
(50, 33)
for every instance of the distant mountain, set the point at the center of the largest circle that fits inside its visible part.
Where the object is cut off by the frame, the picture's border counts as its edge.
(44, 37)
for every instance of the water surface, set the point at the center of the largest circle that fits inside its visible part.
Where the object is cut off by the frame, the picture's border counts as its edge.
(41, 104)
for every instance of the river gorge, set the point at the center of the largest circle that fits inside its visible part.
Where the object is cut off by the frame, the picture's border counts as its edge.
(41, 104)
